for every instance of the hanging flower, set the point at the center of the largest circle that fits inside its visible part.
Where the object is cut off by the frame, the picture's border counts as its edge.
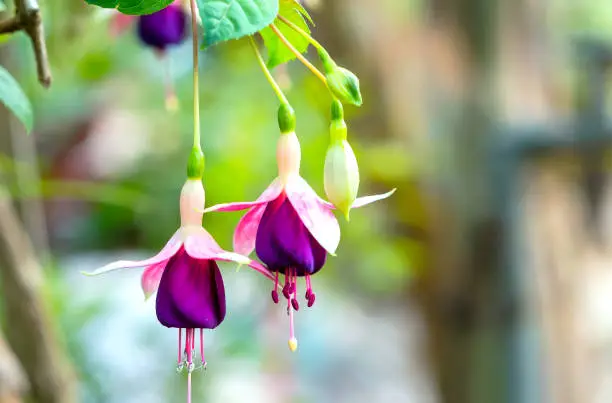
(158, 31)
(191, 294)
(290, 227)
(164, 28)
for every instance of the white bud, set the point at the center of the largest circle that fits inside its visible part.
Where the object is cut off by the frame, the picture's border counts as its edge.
(341, 176)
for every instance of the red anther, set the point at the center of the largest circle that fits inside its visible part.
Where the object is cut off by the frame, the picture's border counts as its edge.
(286, 291)
(295, 304)
(311, 300)
(308, 294)
(275, 296)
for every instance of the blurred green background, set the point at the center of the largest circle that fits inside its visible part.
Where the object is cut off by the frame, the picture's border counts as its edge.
(486, 277)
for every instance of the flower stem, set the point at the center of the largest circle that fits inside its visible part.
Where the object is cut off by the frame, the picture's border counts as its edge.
(279, 93)
(300, 31)
(196, 86)
(297, 54)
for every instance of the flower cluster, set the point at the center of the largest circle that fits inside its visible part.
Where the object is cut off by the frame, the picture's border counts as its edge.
(291, 229)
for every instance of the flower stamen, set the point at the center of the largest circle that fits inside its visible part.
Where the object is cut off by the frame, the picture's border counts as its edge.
(287, 287)
(203, 360)
(274, 291)
(294, 301)
(310, 295)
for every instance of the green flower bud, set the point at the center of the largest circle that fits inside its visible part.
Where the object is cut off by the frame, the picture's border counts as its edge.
(286, 119)
(195, 165)
(345, 86)
(341, 175)
(342, 83)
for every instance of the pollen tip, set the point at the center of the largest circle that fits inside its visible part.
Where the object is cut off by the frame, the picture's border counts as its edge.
(293, 344)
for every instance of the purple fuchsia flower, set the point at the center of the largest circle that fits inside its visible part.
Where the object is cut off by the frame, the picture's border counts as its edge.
(290, 227)
(185, 274)
(164, 28)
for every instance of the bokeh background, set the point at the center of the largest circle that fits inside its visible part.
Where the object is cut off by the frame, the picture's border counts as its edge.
(486, 278)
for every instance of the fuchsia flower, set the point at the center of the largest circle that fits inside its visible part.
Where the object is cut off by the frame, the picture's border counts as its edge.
(290, 227)
(158, 30)
(164, 28)
(191, 294)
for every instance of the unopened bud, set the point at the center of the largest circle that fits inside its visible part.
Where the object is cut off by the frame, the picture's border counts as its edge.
(341, 175)
(343, 83)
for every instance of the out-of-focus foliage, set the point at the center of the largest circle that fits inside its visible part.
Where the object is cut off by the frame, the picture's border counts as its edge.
(12, 96)
(278, 53)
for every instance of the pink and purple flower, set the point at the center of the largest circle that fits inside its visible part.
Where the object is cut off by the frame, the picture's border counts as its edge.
(290, 227)
(185, 274)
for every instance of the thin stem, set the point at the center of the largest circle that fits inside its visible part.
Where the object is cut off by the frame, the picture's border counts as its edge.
(297, 54)
(279, 93)
(196, 86)
(300, 31)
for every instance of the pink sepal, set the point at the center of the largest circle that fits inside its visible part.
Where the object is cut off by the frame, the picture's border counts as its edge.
(201, 245)
(315, 215)
(151, 277)
(166, 253)
(246, 230)
(271, 193)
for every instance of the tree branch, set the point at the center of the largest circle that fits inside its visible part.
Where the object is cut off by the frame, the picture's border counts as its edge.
(30, 331)
(27, 18)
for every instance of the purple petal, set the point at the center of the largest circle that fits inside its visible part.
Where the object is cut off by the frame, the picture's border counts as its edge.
(284, 242)
(191, 294)
(163, 28)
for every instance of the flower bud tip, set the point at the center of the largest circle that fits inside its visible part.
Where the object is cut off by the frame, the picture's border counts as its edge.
(293, 344)
(347, 215)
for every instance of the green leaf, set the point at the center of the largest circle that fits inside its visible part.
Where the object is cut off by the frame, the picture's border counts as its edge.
(133, 7)
(13, 97)
(232, 19)
(278, 53)
(3, 6)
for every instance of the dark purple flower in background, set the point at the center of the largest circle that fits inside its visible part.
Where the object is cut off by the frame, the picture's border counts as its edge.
(164, 28)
